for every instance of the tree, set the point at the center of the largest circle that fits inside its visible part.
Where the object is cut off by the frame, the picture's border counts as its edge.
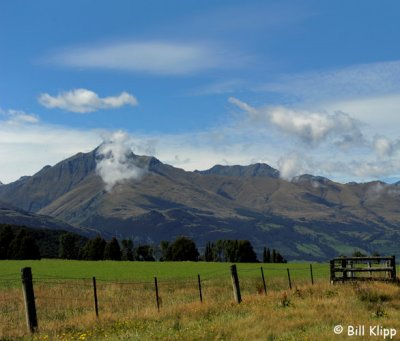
(245, 252)
(279, 258)
(208, 252)
(23, 246)
(6, 237)
(182, 249)
(165, 250)
(68, 248)
(268, 256)
(358, 254)
(127, 249)
(230, 251)
(273, 256)
(112, 251)
(144, 253)
(94, 249)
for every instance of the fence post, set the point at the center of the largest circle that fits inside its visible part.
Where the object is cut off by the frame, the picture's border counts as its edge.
(157, 298)
(332, 271)
(96, 304)
(344, 266)
(388, 264)
(235, 284)
(393, 264)
(290, 282)
(263, 279)
(29, 299)
(350, 274)
(312, 276)
(200, 293)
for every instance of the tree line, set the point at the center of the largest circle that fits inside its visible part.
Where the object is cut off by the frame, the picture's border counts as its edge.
(24, 243)
(19, 245)
(181, 249)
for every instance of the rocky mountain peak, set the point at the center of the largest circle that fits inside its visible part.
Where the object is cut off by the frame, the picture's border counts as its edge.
(257, 169)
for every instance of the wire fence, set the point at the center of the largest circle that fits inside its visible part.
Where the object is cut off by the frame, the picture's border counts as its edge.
(61, 299)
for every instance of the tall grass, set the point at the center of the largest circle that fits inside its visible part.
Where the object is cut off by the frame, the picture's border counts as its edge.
(128, 311)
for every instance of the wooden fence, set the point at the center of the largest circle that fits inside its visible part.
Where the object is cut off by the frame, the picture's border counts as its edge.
(36, 291)
(363, 269)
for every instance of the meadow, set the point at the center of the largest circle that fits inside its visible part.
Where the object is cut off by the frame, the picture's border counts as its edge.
(111, 270)
(128, 310)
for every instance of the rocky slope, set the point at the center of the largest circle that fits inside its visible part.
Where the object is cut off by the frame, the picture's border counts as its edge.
(307, 218)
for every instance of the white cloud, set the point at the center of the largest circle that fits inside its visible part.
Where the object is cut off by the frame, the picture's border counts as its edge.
(262, 134)
(155, 57)
(383, 146)
(115, 163)
(369, 92)
(84, 101)
(18, 117)
(309, 127)
(291, 165)
(244, 106)
(380, 113)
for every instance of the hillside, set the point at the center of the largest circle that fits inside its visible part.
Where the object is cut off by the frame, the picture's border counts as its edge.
(309, 217)
(12, 215)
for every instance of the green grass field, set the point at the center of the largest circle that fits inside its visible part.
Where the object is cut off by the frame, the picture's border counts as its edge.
(143, 271)
(128, 310)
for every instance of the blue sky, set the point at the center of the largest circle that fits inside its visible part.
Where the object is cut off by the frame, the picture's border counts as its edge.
(306, 86)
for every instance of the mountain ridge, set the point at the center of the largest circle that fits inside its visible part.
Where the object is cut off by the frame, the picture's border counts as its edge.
(309, 217)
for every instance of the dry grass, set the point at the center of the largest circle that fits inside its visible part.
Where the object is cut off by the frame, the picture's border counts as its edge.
(128, 311)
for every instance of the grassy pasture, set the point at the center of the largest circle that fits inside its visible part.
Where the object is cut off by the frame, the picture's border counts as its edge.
(110, 270)
(64, 299)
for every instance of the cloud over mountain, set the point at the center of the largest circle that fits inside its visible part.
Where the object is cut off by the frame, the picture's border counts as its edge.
(115, 163)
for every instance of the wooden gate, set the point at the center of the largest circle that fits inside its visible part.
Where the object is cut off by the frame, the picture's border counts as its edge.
(363, 269)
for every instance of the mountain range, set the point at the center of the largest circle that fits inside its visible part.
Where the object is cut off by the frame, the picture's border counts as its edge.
(307, 218)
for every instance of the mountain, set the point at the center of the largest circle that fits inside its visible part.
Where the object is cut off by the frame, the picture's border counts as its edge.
(258, 169)
(309, 217)
(15, 216)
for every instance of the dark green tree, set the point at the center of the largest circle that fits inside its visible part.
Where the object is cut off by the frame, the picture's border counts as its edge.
(144, 253)
(209, 253)
(94, 249)
(245, 252)
(68, 247)
(273, 256)
(112, 251)
(358, 254)
(6, 237)
(265, 255)
(268, 256)
(127, 249)
(23, 246)
(233, 251)
(219, 251)
(279, 258)
(165, 250)
(182, 249)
